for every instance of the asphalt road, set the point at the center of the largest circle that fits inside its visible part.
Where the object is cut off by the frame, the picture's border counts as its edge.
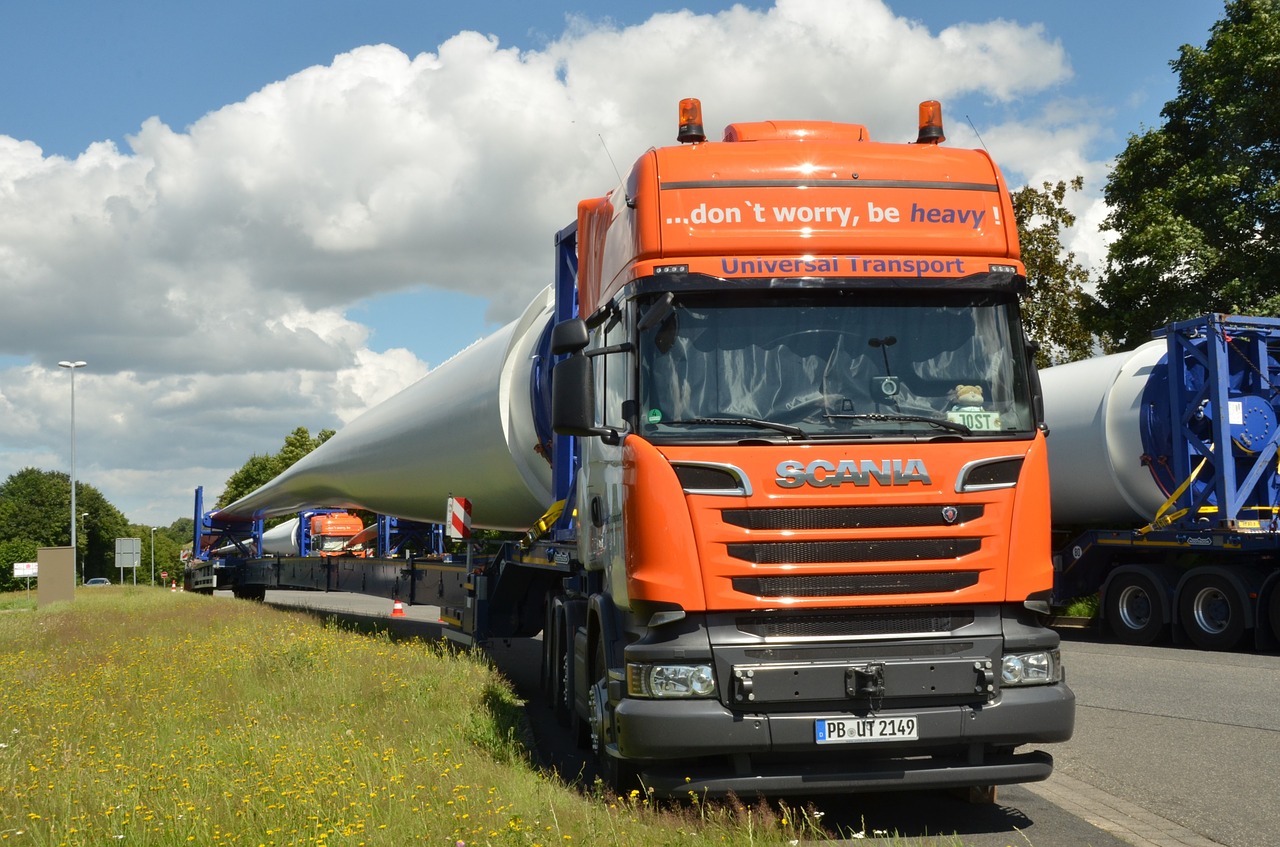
(1173, 748)
(1190, 735)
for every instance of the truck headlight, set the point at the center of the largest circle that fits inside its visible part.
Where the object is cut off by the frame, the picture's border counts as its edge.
(669, 680)
(1038, 668)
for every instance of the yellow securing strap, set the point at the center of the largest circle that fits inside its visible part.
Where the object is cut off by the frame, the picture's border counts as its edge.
(1162, 520)
(543, 525)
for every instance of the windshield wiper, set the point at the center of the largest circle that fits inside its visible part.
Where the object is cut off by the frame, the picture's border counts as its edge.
(785, 429)
(941, 423)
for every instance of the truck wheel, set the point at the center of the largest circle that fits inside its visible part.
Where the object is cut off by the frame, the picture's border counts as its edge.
(1273, 612)
(619, 775)
(1212, 612)
(548, 678)
(560, 696)
(1134, 611)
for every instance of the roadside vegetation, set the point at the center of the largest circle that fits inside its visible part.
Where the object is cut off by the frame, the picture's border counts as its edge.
(1082, 607)
(144, 717)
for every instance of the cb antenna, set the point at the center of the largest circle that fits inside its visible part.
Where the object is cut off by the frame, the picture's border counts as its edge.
(609, 157)
(618, 173)
(975, 132)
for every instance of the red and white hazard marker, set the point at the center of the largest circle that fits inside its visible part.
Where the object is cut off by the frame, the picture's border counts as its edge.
(459, 525)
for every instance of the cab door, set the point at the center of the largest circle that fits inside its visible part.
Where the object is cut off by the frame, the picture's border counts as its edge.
(602, 542)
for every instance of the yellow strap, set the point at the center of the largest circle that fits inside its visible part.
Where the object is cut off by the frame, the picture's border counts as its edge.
(543, 525)
(1161, 520)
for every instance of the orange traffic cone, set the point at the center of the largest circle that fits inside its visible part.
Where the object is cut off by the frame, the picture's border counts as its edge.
(397, 609)
(173, 586)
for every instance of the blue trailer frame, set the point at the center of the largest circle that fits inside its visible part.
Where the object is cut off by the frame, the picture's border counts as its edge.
(1212, 442)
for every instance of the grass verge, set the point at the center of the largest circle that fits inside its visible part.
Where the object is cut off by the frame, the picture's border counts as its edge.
(144, 717)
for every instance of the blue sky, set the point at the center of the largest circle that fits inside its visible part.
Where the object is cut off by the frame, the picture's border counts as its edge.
(234, 279)
(81, 72)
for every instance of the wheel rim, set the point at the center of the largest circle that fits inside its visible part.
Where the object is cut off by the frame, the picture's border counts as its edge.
(1135, 607)
(1211, 610)
(596, 705)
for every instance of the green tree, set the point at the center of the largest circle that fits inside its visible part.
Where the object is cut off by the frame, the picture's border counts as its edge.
(1055, 301)
(1194, 202)
(103, 523)
(14, 550)
(253, 474)
(35, 509)
(261, 469)
(168, 547)
(35, 505)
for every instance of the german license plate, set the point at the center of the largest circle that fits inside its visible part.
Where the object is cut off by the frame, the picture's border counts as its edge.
(855, 730)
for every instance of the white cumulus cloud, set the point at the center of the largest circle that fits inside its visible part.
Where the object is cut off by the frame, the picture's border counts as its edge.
(209, 274)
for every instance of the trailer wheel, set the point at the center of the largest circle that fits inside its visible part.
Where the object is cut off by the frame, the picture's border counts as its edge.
(618, 774)
(1134, 611)
(1212, 612)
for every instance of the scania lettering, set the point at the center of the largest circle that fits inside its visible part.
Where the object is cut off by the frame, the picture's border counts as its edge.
(821, 473)
(772, 444)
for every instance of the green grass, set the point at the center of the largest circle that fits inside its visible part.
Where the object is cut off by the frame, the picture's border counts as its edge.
(151, 718)
(17, 600)
(1083, 607)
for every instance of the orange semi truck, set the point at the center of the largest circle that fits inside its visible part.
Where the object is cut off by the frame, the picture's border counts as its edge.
(791, 457)
(813, 477)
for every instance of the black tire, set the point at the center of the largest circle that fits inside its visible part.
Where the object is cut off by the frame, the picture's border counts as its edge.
(547, 681)
(1135, 609)
(579, 727)
(561, 694)
(1212, 612)
(619, 775)
(1273, 611)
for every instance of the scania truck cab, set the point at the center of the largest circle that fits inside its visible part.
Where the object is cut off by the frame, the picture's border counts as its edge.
(812, 490)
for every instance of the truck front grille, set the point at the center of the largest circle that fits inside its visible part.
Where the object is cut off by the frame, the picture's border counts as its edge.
(823, 585)
(867, 550)
(850, 517)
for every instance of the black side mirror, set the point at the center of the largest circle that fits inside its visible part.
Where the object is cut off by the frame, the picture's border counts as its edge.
(573, 395)
(658, 312)
(569, 336)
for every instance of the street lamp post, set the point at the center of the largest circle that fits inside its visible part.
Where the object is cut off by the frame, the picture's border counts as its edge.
(153, 557)
(75, 551)
(72, 366)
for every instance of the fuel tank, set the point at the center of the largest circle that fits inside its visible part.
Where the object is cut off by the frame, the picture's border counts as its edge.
(477, 426)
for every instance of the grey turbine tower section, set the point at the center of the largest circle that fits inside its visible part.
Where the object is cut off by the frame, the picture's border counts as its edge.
(467, 428)
(1094, 410)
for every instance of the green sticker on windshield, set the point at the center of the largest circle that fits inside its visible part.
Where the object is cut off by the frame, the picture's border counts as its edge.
(655, 416)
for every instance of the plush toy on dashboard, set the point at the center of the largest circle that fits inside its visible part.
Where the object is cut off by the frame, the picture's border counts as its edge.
(968, 398)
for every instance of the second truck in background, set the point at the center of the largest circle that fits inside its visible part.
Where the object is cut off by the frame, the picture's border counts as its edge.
(1166, 492)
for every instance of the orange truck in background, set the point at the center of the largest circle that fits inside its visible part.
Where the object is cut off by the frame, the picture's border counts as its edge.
(812, 490)
(332, 533)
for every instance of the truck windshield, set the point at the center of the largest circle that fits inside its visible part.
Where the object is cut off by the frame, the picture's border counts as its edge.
(329, 543)
(812, 364)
